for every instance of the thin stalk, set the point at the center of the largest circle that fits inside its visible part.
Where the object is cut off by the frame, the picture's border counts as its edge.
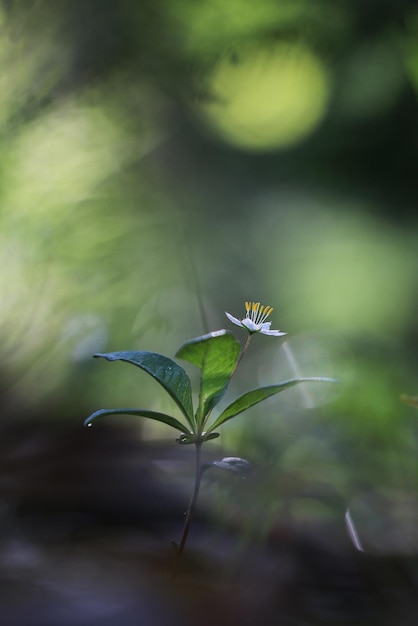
(243, 351)
(191, 508)
(198, 478)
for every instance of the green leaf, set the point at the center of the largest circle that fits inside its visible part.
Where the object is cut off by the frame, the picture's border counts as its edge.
(166, 371)
(216, 355)
(210, 436)
(255, 396)
(153, 415)
(186, 440)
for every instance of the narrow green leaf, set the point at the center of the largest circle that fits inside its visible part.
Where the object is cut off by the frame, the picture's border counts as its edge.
(216, 355)
(255, 396)
(186, 440)
(210, 436)
(166, 371)
(153, 415)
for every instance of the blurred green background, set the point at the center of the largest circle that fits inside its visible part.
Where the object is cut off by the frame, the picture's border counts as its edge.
(163, 155)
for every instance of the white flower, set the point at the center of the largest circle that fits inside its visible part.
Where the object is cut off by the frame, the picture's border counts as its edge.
(255, 320)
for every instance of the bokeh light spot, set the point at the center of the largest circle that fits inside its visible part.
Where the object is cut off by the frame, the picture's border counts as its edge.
(344, 272)
(266, 97)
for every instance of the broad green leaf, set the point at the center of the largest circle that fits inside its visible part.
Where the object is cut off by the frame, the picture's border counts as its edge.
(153, 415)
(216, 355)
(255, 396)
(166, 371)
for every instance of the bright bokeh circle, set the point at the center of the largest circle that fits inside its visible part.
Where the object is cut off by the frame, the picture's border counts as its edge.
(266, 98)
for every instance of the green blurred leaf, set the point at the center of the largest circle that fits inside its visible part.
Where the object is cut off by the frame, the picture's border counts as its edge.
(210, 436)
(166, 371)
(186, 439)
(153, 415)
(255, 396)
(216, 355)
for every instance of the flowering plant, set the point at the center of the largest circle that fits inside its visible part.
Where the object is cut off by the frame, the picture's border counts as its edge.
(255, 319)
(217, 355)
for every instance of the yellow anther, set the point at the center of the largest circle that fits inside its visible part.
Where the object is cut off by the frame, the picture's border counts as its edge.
(264, 313)
(258, 313)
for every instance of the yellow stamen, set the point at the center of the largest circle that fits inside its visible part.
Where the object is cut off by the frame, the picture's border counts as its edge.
(254, 313)
(247, 306)
(267, 311)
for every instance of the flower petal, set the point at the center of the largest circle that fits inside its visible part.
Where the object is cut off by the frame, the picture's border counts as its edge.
(250, 325)
(272, 333)
(233, 319)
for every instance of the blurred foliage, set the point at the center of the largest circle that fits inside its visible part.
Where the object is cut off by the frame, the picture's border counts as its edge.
(163, 154)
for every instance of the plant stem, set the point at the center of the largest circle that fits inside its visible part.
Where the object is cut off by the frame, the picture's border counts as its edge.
(198, 478)
(191, 508)
(243, 351)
